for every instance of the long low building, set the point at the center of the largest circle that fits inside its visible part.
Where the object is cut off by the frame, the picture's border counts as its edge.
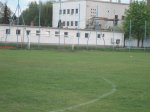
(46, 35)
(54, 36)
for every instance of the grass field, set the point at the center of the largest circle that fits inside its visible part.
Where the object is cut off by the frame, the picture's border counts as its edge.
(80, 81)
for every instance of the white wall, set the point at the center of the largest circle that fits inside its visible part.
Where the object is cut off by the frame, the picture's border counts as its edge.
(133, 43)
(48, 36)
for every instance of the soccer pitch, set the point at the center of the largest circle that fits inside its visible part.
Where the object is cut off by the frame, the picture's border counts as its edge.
(80, 81)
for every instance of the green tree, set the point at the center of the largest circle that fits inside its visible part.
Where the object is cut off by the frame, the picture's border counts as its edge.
(46, 14)
(136, 15)
(31, 14)
(6, 15)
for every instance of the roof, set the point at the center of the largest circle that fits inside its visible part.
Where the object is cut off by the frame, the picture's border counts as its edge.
(91, 1)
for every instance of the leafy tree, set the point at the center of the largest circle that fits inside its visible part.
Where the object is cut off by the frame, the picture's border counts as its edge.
(136, 15)
(6, 15)
(46, 14)
(31, 14)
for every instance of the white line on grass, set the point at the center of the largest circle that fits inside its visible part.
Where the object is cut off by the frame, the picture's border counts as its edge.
(113, 90)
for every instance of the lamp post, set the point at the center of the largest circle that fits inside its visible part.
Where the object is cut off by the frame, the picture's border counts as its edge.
(59, 22)
(130, 31)
(39, 36)
(145, 35)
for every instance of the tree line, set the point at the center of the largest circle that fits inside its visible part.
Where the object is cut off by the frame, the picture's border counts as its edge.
(30, 16)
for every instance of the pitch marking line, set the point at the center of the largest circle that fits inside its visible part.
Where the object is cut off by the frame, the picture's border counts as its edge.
(113, 90)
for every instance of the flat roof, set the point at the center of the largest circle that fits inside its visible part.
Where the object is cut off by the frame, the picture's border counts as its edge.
(91, 1)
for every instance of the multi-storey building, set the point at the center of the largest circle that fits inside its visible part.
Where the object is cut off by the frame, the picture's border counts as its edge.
(84, 14)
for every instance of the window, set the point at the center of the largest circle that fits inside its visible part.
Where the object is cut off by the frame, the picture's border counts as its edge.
(71, 23)
(65, 34)
(86, 35)
(37, 33)
(78, 34)
(28, 32)
(118, 41)
(116, 20)
(64, 24)
(103, 35)
(68, 11)
(72, 11)
(116, 16)
(76, 23)
(57, 33)
(77, 11)
(64, 11)
(98, 35)
(18, 32)
(123, 17)
(7, 31)
(67, 23)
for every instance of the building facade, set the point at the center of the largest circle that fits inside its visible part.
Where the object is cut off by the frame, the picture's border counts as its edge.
(54, 36)
(82, 14)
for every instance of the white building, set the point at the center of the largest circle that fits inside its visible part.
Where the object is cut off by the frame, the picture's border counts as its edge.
(87, 13)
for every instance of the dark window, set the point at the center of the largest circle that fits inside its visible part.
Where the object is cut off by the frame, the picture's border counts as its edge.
(56, 33)
(64, 11)
(78, 34)
(68, 11)
(64, 24)
(103, 35)
(116, 16)
(18, 32)
(65, 34)
(7, 31)
(116, 20)
(76, 23)
(118, 41)
(77, 11)
(37, 32)
(98, 35)
(86, 35)
(72, 11)
(67, 23)
(28, 32)
(123, 17)
(71, 23)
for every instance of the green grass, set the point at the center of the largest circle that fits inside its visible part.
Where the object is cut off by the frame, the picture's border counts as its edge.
(47, 80)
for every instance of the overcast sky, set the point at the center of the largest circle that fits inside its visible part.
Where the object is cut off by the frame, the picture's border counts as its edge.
(24, 3)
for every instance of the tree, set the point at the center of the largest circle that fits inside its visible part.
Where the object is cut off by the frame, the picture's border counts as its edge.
(6, 15)
(136, 15)
(46, 14)
(31, 14)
